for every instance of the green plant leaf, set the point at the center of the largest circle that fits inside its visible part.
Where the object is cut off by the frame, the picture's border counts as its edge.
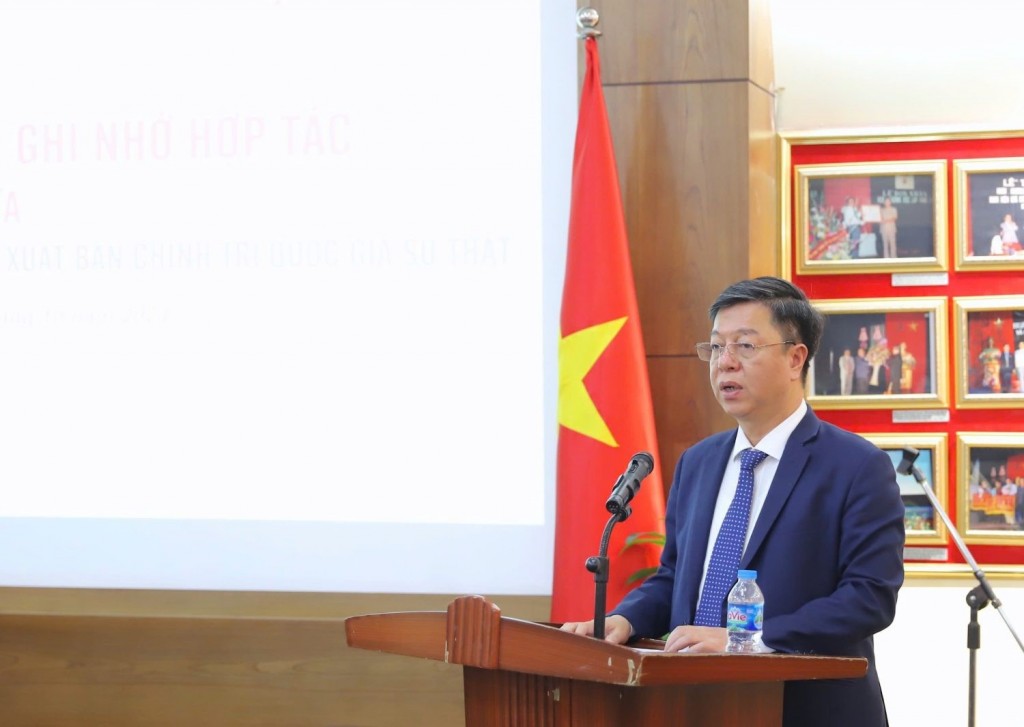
(651, 537)
(648, 538)
(640, 575)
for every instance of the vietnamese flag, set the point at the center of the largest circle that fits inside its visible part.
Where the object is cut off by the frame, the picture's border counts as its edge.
(604, 398)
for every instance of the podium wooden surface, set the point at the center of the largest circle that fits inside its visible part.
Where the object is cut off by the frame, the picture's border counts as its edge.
(519, 673)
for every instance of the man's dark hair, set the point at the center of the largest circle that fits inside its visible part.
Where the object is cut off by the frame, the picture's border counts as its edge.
(792, 313)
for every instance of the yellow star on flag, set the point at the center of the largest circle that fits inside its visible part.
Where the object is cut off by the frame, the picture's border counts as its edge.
(577, 354)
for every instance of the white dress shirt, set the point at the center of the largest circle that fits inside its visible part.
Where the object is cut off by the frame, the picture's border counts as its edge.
(773, 444)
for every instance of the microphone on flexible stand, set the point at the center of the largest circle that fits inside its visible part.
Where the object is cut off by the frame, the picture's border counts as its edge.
(628, 484)
(623, 491)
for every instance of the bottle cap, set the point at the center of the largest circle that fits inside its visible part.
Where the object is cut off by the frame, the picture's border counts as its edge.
(747, 574)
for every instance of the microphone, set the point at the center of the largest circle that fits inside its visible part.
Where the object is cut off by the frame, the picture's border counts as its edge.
(629, 482)
(906, 465)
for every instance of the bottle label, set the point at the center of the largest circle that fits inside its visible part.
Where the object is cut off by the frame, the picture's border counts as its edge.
(745, 616)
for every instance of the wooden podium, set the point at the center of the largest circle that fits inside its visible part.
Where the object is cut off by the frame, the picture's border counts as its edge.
(518, 673)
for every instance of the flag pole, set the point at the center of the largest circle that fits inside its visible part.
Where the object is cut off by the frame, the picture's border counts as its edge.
(587, 19)
(604, 398)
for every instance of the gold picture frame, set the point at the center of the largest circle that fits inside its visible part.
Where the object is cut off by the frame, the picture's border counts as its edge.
(989, 351)
(990, 487)
(871, 217)
(989, 202)
(915, 327)
(923, 525)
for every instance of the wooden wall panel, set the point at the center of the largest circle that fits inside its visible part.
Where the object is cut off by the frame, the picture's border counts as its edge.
(95, 657)
(762, 250)
(683, 167)
(113, 670)
(684, 407)
(653, 41)
(761, 56)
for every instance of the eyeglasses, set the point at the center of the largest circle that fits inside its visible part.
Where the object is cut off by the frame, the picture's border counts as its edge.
(713, 351)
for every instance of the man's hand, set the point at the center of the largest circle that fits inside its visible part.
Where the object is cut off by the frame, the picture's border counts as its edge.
(697, 639)
(616, 629)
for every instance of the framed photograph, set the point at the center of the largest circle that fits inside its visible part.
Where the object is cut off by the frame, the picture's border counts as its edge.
(885, 353)
(989, 351)
(989, 203)
(990, 487)
(871, 216)
(924, 526)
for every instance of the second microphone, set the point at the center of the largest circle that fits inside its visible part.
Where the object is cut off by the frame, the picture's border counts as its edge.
(628, 483)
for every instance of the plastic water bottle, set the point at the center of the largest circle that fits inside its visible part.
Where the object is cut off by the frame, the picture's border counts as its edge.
(745, 614)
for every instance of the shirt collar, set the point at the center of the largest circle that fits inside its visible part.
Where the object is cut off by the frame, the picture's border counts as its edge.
(773, 443)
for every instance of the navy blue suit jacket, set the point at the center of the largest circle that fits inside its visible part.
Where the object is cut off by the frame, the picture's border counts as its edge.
(828, 551)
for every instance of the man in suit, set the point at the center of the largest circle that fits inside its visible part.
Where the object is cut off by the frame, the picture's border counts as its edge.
(1006, 365)
(825, 531)
(895, 370)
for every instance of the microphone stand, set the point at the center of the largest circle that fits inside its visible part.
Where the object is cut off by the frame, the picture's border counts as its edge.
(979, 596)
(977, 600)
(598, 565)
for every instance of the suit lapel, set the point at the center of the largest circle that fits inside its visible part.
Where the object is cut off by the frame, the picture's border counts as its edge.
(708, 478)
(792, 464)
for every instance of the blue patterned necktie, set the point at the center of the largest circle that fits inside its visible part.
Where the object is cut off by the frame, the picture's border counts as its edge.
(725, 557)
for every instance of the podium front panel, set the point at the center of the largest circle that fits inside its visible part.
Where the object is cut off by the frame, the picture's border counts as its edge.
(512, 699)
